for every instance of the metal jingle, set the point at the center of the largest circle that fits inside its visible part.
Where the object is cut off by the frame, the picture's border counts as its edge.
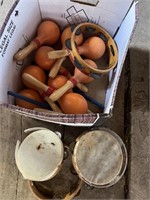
(86, 71)
(103, 37)
(68, 43)
(78, 32)
(94, 75)
(78, 65)
(90, 29)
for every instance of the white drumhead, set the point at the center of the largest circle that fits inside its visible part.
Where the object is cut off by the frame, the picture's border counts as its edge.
(98, 158)
(40, 155)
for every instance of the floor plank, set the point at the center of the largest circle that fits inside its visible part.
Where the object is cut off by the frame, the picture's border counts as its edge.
(10, 129)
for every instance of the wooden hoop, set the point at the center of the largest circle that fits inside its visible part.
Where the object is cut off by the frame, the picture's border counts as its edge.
(110, 43)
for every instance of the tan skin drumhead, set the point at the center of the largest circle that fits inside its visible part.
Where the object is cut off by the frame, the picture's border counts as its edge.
(40, 155)
(98, 158)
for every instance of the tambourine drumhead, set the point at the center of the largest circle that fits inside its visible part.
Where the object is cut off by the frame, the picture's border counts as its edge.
(98, 158)
(40, 155)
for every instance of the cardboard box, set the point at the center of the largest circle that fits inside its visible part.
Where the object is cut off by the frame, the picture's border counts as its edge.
(118, 17)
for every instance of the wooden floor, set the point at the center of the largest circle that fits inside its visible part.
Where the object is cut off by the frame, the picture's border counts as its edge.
(130, 120)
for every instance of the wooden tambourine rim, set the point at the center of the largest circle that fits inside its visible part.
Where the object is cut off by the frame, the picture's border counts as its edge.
(124, 162)
(41, 196)
(111, 46)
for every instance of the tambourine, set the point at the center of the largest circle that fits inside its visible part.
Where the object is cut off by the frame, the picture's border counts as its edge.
(99, 157)
(40, 155)
(93, 29)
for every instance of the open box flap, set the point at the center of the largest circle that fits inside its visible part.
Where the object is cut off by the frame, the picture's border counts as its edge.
(122, 39)
(108, 14)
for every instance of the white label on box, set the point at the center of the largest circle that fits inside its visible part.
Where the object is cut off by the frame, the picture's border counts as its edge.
(6, 38)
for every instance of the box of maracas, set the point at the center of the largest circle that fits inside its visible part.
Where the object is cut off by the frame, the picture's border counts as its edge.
(61, 60)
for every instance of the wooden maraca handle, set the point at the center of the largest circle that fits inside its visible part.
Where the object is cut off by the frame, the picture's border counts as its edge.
(55, 69)
(82, 87)
(66, 73)
(42, 87)
(59, 92)
(30, 79)
(58, 54)
(53, 105)
(22, 54)
(47, 91)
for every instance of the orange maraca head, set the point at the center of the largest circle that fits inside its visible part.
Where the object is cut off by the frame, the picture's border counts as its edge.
(48, 32)
(93, 48)
(84, 77)
(41, 57)
(29, 93)
(36, 72)
(66, 34)
(73, 103)
(57, 82)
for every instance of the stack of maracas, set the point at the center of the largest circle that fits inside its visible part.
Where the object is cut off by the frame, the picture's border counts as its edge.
(47, 80)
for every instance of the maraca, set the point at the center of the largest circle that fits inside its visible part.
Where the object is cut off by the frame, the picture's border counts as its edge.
(43, 89)
(66, 103)
(70, 104)
(48, 33)
(73, 103)
(41, 57)
(77, 78)
(93, 48)
(65, 35)
(30, 93)
(36, 72)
